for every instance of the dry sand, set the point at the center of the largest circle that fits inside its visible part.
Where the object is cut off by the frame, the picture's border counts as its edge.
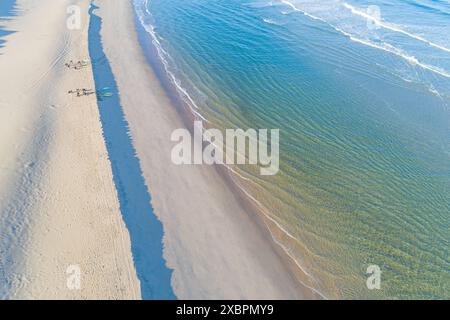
(211, 240)
(58, 202)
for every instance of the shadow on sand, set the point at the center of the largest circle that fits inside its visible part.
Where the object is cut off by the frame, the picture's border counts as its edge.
(6, 11)
(146, 231)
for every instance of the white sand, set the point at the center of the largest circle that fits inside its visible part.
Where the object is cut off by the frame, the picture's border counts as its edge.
(58, 203)
(213, 244)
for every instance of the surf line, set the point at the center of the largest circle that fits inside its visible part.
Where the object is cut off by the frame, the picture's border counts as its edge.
(146, 231)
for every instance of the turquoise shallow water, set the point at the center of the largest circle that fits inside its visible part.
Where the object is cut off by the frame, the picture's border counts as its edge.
(361, 96)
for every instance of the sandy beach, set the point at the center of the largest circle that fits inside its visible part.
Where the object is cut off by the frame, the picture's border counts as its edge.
(58, 204)
(212, 240)
(98, 201)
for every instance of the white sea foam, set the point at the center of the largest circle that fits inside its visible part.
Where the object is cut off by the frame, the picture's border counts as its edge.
(393, 27)
(381, 46)
(295, 8)
(142, 9)
(270, 21)
(260, 4)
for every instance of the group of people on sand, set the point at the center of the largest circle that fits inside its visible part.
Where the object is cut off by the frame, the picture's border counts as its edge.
(77, 65)
(103, 93)
(82, 92)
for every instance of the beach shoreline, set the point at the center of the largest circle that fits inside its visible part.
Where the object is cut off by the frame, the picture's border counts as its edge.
(279, 238)
(65, 187)
(93, 205)
(140, 102)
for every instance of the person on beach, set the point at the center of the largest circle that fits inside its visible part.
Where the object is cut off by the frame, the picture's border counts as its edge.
(69, 64)
(78, 65)
(87, 92)
(82, 92)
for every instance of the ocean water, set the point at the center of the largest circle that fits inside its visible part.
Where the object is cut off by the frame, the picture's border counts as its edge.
(361, 95)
